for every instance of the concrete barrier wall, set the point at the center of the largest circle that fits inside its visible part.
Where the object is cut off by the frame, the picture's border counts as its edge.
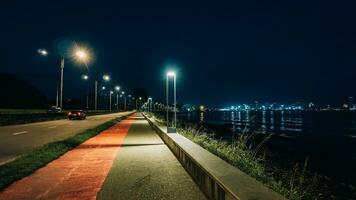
(215, 177)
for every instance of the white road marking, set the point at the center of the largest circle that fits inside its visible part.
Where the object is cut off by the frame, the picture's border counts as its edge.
(18, 133)
(52, 127)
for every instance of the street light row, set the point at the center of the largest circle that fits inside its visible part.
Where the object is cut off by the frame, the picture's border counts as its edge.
(116, 88)
(82, 55)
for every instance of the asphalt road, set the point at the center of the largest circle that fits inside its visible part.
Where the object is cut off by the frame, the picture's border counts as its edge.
(18, 139)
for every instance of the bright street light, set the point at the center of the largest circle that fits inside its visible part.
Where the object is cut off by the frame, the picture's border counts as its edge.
(117, 88)
(103, 88)
(85, 77)
(106, 77)
(43, 52)
(171, 73)
(79, 54)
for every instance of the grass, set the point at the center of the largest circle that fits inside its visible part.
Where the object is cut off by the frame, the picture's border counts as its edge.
(28, 163)
(246, 155)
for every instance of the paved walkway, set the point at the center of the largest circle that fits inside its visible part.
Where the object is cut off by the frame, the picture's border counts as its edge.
(130, 157)
(145, 168)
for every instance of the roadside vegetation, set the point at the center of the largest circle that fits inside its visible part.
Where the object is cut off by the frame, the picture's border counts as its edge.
(28, 163)
(246, 155)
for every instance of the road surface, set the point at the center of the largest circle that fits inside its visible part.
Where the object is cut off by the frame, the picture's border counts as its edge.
(18, 139)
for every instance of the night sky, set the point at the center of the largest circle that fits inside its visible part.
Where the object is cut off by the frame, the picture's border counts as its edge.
(284, 51)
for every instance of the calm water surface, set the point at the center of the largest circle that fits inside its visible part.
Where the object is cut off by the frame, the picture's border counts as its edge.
(328, 139)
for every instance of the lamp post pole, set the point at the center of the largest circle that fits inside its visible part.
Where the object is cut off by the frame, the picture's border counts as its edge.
(125, 102)
(110, 93)
(123, 93)
(167, 106)
(61, 87)
(174, 124)
(175, 102)
(80, 54)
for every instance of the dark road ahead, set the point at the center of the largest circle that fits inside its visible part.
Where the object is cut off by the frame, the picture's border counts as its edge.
(18, 139)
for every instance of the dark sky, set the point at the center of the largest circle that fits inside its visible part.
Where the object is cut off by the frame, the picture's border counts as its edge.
(224, 53)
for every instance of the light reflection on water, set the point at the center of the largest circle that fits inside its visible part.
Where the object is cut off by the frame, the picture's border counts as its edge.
(292, 124)
(263, 122)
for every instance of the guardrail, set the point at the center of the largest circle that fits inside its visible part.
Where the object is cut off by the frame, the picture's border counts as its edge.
(216, 178)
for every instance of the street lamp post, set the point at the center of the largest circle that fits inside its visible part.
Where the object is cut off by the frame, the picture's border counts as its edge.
(123, 93)
(61, 87)
(86, 77)
(173, 128)
(117, 88)
(111, 92)
(150, 104)
(102, 97)
(105, 78)
(80, 54)
(117, 101)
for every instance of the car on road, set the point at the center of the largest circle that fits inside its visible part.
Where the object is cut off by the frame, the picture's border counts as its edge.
(76, 114)
(54, 109)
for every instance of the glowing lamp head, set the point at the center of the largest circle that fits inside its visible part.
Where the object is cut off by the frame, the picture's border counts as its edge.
(81, 54)
(171, 74)
(103, 88)
(106, 77)
(111, 92)
(85, 77)
(117, 88)
(122, 92)
(43, 52)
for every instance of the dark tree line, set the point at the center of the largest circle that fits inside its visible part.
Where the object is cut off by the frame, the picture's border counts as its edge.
(18, 93)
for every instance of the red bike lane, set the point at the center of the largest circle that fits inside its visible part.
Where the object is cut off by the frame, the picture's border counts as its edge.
(78, 174)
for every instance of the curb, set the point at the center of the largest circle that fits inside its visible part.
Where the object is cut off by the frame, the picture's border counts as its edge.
(216, 178)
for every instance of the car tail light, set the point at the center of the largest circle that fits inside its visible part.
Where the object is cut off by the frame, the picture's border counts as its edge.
(69, 113)
(79, 113)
